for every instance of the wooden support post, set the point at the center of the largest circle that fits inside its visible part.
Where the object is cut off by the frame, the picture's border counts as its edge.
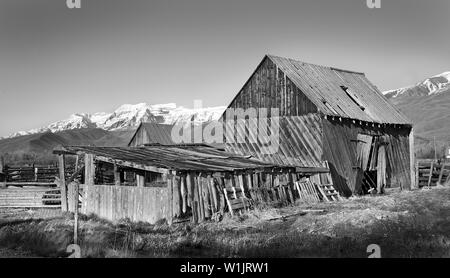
(89, 169)
(431, 174)
(77, 162)
(176, 182)
(62, 182)
(441, 173)
(183, 193)
(140, 179)
(412, 159)
(2, 172)
(169, 200)
(116, 175)
(76, 198)
(190, 190)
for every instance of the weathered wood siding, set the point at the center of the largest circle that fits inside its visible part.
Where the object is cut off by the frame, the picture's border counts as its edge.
(340, 151)
(269, 87)
(148, 204)
(299, 144)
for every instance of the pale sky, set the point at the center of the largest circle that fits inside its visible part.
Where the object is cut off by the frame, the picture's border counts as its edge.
(56, 61)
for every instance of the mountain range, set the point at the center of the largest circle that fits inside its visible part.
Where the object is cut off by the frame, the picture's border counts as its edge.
(129, 116)
(426, 103)
(98, 129)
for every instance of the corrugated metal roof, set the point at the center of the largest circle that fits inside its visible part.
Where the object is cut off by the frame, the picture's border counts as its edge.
(322, 85)
(156, 133)
(181, 158)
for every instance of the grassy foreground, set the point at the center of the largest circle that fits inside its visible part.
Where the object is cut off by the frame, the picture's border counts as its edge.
(403, 224)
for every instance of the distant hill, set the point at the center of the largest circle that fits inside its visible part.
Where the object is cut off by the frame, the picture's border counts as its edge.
(427, 104)
(38, 147)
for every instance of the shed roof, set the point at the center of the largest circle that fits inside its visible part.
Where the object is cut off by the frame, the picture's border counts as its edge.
(179, 158)
(324, 87)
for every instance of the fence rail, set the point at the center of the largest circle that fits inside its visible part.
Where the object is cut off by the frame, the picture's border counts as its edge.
(30, 197)
(41, 175)
(432, 172)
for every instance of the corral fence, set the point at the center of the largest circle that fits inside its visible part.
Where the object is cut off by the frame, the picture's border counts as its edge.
(430, 172)
(39, 175)
(25, 186)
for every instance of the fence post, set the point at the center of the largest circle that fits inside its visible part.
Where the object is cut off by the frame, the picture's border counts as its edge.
(62, 182)
(76, 199)
(2, 172)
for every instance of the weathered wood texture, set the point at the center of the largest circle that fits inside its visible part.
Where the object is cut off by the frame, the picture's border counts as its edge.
(340, 150)
(212, 195)
(299, 142)
(268, 87)
(148, 204)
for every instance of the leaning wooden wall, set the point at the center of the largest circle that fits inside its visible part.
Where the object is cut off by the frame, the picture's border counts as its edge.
(339, 149)
(202, 196)
(148, 204)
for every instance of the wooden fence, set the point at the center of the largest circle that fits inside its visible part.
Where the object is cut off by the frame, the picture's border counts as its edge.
(148, 204)
(432, 172)
(30, 197)
(39, 175)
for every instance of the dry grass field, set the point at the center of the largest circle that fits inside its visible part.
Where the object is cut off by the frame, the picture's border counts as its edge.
(404, 224)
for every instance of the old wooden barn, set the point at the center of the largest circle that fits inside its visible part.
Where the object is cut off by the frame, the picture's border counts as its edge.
(328, 114)
(170, 182)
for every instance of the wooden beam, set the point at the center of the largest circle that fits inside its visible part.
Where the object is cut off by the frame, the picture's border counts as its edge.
(62, 181)
(132, 165)
(75, 175)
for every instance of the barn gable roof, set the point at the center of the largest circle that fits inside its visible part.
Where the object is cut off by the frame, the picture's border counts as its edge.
(157, 133)
(338, 92)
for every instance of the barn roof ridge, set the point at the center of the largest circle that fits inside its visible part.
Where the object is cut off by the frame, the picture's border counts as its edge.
(313, 64)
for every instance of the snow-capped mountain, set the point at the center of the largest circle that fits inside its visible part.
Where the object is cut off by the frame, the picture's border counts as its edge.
(131, 115)
(434, 85)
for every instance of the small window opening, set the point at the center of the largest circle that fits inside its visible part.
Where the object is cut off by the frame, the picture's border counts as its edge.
(353, 97)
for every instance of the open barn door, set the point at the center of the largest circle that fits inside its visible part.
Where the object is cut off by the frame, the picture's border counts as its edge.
(364, 150)
(372, 169)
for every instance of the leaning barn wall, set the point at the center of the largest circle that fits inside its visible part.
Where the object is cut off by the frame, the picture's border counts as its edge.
(340, 151)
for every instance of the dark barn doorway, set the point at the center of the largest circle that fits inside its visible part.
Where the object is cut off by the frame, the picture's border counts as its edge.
(372, 171)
